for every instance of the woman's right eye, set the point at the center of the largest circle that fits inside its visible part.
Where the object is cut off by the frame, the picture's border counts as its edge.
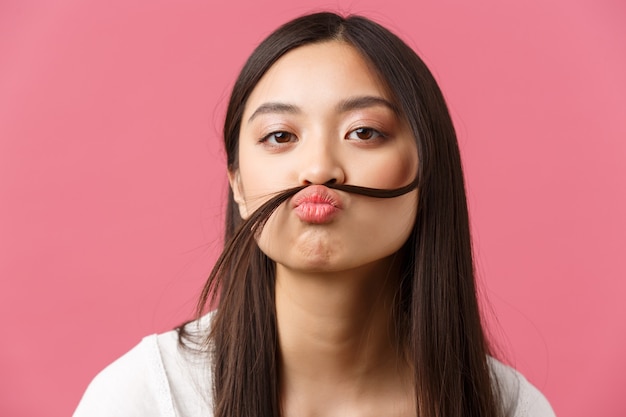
(278, 138)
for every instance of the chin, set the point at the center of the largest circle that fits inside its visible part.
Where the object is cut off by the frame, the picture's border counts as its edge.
(313, 259)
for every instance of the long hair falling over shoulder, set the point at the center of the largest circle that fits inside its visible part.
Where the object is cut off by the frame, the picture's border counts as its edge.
(439, 318)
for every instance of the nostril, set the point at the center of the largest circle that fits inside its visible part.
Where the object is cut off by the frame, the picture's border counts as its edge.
(331, 181)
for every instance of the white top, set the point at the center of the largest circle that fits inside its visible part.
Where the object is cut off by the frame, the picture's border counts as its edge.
(157, 378)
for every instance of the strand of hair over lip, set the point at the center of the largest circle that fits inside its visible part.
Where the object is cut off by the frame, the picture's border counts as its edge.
(244, 236)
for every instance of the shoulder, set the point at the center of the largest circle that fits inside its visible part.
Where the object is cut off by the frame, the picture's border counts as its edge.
(131, 386)
(155, 378)
(520, 397)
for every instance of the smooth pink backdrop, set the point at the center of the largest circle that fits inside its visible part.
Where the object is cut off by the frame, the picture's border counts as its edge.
(112, 177)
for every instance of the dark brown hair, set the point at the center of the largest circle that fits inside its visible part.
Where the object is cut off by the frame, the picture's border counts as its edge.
(437, 311)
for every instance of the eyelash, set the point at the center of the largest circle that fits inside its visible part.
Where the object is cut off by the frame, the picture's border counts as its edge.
(267, 139)
(377, 134)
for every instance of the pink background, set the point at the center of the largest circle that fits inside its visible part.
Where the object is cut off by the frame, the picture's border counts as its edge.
(112, 177)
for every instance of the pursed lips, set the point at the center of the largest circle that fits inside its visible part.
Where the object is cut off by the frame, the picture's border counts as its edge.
(316, 204)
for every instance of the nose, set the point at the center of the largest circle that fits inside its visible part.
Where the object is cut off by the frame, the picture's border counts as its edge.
(320, 165)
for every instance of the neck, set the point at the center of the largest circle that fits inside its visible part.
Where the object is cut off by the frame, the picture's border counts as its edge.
(336, 330)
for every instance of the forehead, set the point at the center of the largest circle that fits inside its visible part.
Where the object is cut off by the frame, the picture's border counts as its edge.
(319, 74)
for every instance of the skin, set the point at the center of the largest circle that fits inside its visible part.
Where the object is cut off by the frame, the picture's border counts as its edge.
(335, 281)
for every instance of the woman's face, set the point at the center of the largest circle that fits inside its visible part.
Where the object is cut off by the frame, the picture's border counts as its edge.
(321, 115)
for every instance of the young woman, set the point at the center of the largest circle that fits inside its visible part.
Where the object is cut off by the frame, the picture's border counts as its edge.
(346, 286)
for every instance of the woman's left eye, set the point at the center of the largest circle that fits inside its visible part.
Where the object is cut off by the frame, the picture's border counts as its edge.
(364, 133)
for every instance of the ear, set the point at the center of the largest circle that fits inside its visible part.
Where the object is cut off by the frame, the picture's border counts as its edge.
(235, 184)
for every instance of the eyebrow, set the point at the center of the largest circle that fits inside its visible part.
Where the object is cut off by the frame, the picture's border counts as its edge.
(364, 102)
(350, 104)
(275, 107)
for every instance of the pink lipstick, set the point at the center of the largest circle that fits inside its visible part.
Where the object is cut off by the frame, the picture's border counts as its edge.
(316, 204)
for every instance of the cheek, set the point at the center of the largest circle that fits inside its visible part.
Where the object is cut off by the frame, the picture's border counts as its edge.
(393, 171)
(258, 182)
(403, 171)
